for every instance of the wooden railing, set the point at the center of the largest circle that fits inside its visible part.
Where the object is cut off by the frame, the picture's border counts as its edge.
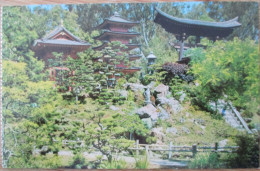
(241, 120)
(194, 149)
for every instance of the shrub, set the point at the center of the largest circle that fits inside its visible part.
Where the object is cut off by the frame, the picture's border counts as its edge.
(79, 161)
(114, 164)
(247, 155)
(141, 162)
(205, 161)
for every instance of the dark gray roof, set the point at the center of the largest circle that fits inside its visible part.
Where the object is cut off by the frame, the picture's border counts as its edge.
(61, 42)
(226, 24)
(116, 18)
(107, 32)
(59, 29)
(151, 56)
(48, 39)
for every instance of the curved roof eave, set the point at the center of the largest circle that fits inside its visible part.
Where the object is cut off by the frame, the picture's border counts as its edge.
(226, 24)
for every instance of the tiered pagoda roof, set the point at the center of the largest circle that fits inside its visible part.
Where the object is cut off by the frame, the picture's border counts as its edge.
(178, 26)
(107, 33)
(117, 28)
(60, 37)
(116, 19)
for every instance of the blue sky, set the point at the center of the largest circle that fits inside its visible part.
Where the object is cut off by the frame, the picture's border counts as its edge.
(191, 3)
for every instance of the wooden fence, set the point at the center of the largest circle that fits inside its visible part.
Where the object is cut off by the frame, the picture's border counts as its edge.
(194, 149)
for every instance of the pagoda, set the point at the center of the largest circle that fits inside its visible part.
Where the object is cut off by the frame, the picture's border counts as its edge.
(117, 28)
(59, 40)
(182, 28)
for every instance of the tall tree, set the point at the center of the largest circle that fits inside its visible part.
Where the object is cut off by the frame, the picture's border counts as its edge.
(246, 11)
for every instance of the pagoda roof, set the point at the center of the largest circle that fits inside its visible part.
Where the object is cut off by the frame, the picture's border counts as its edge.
(104, 44)
(178, 26)
(116, 18)
(134, 57)
(52, 39)
(115, 33)
(151, 56)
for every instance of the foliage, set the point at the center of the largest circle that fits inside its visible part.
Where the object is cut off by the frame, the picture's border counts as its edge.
(227, 66)
(114, 164)
(205, 161)
(141, 162)
(79, 162)
(247, 155)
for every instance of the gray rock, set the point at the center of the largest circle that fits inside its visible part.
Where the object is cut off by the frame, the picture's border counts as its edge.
(148, 111)
(182, 96)
(123, 93)
(148, 123)
(163, 114)
(158, 132)
(134, 86)
(151, 85)
(174, 104)
(223, 143)
(172, 130)
(187, 114)
(182, 120)
(199, 122)
(185, 130)
(114, 108)
(161, 90)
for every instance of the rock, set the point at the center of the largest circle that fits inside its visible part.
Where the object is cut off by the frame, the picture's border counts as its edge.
(148, 123)
(182, 120)
(158, 132)
(148, 111)
(151, 85)
(174, 104)
(163, 114)
(202, 127)
(182, 97)
(223, 143)
(161, 90)
(187, 114)
(113, 108)
(199, 122)
(134, 86)
(185, 130)
(172, 130)
(123, 93)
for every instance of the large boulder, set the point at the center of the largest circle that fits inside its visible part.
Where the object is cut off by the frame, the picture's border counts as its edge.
(123, 93)
(147, 122)
(161, 90)
(172, 130)
(163, 114)
(158, 133)
(171, 102)
(148, 111)
(134, 87)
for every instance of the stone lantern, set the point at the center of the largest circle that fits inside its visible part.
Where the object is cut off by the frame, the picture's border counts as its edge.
(151, 59)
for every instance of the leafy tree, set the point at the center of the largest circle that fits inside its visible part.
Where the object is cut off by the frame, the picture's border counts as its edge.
(230, 69)
(246, 11)
(109, 134)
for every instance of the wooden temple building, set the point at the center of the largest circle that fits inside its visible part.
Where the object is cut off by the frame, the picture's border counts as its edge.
(117, 28)
(59, 40)
(182, 28)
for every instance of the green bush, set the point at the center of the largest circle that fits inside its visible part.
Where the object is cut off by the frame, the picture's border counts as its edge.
(114, 164)
(79, 162)
(205, 161)
(141, 162)
(247, 155)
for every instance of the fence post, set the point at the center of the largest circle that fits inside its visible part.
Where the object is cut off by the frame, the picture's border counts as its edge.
(147, 151)
(216, 147)
(137, 147)
(194, 150)
(170, 152)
